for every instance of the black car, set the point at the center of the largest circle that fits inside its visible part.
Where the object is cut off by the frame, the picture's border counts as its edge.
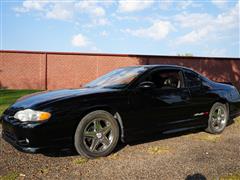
(126, 104)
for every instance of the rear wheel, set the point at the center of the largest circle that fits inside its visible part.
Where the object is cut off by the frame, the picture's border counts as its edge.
(218, 118)
(96, 135)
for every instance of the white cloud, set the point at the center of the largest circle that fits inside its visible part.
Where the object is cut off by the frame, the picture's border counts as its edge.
(90, 7)
(157, 31)
(49, 9)
(60, 11)
(103, 33)
(96, 12)
(231, 18)
(97, 22)
(80, 40)
(125, 17)
(195, 35)
(166, 4)
(184, 4)
(133, 5)
(193, 20)
(220, 3)
(68, 10)
(29, 5)
(204, 25)
(220, 52)
(107, 3)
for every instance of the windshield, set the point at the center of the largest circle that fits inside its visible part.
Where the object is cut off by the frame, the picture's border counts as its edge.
(118, 78)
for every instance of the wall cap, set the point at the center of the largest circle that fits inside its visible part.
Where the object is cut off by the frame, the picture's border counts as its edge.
(118, 55)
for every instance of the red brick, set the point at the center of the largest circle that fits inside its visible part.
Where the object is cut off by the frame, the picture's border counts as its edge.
(56, 70)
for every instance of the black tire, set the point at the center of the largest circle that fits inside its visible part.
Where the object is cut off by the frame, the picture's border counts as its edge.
(91, 130)
(217, 122)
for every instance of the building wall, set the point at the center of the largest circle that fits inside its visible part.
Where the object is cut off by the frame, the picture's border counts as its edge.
(52, 70)
(73, 71)
(216, 69)
(22, 70)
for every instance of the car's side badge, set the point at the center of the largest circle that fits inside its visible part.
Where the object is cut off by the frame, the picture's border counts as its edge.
(201, 114)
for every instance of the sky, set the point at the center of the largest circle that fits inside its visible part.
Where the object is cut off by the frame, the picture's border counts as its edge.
(166, 27)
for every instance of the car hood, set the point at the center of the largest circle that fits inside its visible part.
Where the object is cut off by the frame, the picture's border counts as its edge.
(51, 96)
(222, 85)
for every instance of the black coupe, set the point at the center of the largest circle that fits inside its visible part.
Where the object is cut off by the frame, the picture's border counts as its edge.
(125, 104)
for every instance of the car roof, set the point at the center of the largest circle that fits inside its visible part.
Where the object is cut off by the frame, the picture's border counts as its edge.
(162, 65)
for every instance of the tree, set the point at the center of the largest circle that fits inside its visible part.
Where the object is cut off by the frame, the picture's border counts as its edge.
(186, 54)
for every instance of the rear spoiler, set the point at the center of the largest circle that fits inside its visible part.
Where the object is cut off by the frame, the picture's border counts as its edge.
(226, 83)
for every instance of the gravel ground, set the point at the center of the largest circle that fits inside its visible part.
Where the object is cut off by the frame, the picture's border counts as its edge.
(192, 155)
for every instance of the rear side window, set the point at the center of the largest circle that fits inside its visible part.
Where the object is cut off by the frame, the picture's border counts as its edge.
(192, 79)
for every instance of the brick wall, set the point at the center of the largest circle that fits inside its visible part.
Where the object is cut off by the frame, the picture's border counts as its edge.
(56, 70)
(22, 70)
(67, 71)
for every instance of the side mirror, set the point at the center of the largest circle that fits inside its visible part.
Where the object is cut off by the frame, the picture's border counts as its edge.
(146, 85)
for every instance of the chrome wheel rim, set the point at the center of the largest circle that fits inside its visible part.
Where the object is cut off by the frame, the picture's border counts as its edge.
(219, 118)
(98, 135)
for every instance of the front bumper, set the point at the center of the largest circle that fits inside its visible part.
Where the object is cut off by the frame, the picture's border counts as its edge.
(19, 147)
(30, 137)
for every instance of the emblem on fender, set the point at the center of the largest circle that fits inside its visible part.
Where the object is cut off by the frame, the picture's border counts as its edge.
(201, 114)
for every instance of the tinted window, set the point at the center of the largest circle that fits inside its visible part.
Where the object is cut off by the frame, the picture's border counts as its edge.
(165, 79)
(192, 79)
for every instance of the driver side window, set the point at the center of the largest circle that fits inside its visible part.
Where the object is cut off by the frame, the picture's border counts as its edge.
(167, 79)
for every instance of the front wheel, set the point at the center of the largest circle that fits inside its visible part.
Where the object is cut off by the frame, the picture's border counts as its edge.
(96, 135)
(218, 118)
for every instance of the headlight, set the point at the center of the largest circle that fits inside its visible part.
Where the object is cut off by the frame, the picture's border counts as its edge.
(32, 115)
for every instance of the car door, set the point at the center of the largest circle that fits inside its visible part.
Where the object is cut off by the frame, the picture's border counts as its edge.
(162, 106)
(200, 97)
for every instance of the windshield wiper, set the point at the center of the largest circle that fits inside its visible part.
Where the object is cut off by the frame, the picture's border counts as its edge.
(89, 86)
(118, 86)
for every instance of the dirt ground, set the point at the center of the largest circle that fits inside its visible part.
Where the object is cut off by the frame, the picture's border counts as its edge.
(191, 155)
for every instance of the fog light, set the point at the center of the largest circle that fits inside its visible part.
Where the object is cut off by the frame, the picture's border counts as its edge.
(27, 140)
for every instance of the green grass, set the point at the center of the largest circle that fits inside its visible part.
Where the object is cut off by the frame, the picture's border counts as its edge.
(113, 156)
(208, 137)
(237, 120)
(232, 176)
(158, 149)
(80, 160)
(10, 176)
(7, 97)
